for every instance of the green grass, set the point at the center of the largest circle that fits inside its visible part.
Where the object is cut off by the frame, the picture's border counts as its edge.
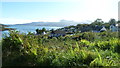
(30, 50)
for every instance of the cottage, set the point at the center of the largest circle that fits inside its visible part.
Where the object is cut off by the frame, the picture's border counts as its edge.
(114, 28)
(99, 29)
(44, 33)
(103, 29)
(57, 33)
(72, 28)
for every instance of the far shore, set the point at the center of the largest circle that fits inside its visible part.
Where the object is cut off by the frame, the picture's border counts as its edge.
(4, 29)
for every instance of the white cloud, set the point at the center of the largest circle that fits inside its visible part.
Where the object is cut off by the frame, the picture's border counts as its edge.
(104, 9)
(14, 21)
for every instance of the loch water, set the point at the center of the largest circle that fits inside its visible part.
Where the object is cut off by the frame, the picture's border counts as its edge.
(27, 28)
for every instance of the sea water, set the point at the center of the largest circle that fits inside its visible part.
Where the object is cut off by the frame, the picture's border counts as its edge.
(28, 28)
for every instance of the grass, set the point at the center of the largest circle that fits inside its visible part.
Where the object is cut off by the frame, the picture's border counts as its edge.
(30, 50)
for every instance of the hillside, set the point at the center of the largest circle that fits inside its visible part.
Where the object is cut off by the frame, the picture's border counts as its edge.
(61, 23)
(4, 27)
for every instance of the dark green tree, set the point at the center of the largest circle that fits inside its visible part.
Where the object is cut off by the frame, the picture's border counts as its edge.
(40, 31)
(98, 22)
(37, 30)
(43, 29)
(52, 30)
(112, 21)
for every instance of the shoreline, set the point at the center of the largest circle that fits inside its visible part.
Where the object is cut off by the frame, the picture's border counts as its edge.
(4, 29)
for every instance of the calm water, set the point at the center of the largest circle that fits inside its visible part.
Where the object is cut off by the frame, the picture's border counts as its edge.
(28, 28)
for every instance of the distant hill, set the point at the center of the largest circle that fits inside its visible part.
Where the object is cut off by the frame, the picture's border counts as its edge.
(4, 27)
(62, 23)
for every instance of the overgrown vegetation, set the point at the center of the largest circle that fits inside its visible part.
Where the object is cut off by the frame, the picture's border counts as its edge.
(81, 49)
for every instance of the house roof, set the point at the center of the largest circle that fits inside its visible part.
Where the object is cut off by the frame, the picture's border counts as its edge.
(98, 28)
(59, 32)
(103, 29)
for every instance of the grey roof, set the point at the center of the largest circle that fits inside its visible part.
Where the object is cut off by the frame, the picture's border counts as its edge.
(100, 28)
(59, 32)
(103, 29)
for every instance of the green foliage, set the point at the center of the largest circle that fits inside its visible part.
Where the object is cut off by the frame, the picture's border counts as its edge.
(101, 49)
(97, 22)
(112, 21)
(40, 31)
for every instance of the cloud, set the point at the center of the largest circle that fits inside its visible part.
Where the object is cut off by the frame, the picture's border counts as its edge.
(104, 9)
(14, 21)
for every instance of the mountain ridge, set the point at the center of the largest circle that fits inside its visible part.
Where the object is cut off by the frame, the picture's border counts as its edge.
(61, 23)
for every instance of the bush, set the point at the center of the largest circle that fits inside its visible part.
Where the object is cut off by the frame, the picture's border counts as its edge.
(31, 50)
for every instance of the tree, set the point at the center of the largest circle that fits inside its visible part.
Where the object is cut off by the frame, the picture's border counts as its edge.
(37, 30)
(112, 21)
(98, 22)
(43, 29)
(40, 31)
(107, 25)
(118, 21)
(52, 30)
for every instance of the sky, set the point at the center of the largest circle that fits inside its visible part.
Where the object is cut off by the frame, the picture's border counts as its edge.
(19, 12)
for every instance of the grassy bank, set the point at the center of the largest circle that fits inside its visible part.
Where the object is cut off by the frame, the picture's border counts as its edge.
(81, 49)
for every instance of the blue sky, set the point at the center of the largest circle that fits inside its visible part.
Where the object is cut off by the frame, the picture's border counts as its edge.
(26, 12)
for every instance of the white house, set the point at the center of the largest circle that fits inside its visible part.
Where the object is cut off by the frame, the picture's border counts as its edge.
(113, 28)
(44, 33)
(99, 29)
(103, 29)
